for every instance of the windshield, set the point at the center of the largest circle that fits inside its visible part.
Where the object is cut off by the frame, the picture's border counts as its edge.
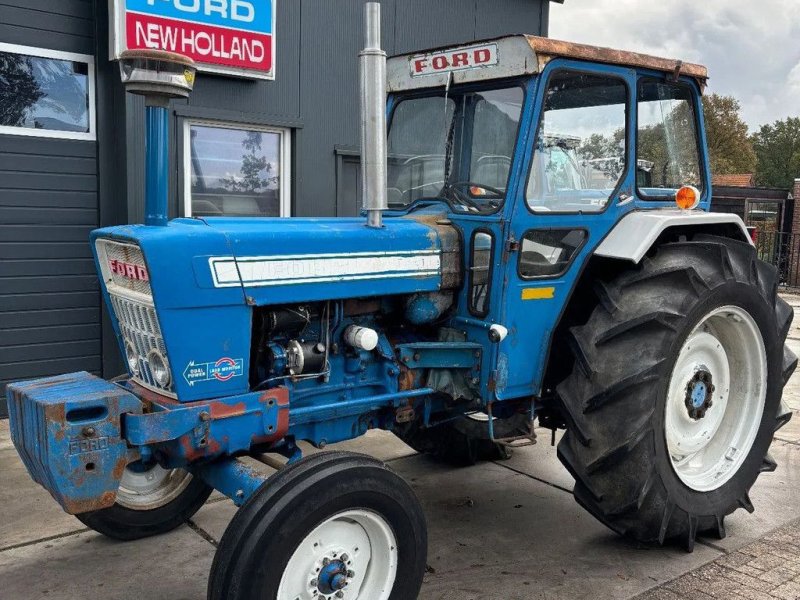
(457, 146)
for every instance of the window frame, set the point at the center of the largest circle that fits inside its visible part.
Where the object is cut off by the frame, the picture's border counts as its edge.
(89, 61)
(480, 86)
(284, 155)
(628, 139)
(489, 272)
(701, 158)
(567, 266)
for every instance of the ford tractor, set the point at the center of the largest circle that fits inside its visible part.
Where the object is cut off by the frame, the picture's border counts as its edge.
(536, 252)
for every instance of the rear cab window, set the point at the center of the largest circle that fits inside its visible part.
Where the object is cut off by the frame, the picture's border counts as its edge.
(667, 141)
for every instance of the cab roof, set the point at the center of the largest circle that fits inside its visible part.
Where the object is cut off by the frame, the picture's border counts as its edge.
(515, 56)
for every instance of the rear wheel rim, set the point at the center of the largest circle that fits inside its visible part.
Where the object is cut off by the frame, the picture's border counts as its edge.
(147, 487)
(351, 556)
(715, 398)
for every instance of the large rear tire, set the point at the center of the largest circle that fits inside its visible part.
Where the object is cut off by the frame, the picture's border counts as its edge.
(675, 393)
(464, 442)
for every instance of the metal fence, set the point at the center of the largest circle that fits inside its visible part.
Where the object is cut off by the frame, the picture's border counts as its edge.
(783, 251)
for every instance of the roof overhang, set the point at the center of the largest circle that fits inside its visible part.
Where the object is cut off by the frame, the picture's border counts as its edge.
(515, 56)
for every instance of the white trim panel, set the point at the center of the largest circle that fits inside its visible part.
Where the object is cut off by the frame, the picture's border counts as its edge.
(227, 271)
(90, 135)
(633, 236)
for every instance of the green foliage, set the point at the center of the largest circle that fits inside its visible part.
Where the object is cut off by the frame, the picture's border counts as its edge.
(777, 147)
(249, 179)
(19, 90)
(730, 149)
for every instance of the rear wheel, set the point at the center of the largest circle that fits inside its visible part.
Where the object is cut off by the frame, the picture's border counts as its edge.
(675, 393)
(150, 500)
(466, 441)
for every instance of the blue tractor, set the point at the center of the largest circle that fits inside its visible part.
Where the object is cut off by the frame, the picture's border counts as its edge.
(537, 247)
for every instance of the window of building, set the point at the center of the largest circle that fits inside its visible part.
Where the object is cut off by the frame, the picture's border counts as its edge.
(667, 143)
(46, 93)
(236, 171)
(580, 148)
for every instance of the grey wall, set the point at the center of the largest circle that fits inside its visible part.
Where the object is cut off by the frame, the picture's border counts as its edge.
(49, 299)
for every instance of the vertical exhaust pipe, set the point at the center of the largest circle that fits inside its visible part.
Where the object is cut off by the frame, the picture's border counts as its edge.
(373, 118)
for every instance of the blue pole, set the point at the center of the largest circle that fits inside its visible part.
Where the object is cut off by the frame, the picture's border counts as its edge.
(156, 165)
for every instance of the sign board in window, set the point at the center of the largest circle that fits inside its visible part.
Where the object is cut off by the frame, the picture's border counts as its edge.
(236, 172)
(230, 37)
(46, 93)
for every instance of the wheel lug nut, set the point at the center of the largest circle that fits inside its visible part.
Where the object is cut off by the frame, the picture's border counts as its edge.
(351, 574)
(313, 583)
(326, 561)
(344, 557)
(340, 594)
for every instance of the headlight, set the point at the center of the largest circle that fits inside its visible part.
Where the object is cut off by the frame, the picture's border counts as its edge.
(159, 368)
(133, 359)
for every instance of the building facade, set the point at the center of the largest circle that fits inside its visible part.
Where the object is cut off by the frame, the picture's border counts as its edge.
(72, 147)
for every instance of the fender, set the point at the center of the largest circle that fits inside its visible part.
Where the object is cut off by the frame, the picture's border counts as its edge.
(636, 232)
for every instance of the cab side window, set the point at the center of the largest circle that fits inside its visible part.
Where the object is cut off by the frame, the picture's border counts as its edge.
(580, 146)
(667, 141)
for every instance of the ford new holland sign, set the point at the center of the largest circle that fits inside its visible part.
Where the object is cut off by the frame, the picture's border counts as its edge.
(231, 37)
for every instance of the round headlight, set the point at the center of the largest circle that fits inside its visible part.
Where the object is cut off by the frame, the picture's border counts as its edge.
(133, 359)
(159, 368)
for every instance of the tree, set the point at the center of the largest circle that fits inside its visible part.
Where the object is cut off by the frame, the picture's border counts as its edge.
(730, 149)
(777, 148)
(249, 179)
(19, 90)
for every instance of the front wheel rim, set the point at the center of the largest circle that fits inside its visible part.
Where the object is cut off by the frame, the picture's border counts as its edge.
(715, 398)
(147, 487)
(350, 556)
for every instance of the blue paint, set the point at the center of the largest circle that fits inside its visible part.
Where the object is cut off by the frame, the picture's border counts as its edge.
(231, 477)
(230, 16)
(156, 165)
(699, 392)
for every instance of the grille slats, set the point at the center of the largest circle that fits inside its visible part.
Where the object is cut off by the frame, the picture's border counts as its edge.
(131, 300)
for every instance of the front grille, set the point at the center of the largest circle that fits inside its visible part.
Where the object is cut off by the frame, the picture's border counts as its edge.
(132, 304)
(110, 251)
(138, 323)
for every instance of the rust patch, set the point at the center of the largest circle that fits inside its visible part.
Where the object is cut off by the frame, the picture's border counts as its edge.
(220, 410)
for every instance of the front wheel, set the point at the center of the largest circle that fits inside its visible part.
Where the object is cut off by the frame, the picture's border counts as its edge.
(333, 525)
(676, 390)
(150, 500)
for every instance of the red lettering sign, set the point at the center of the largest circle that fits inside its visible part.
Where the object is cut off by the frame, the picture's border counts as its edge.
(457, 59)
(128, 270)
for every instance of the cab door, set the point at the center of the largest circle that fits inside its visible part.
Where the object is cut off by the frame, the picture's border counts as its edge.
(576, 183)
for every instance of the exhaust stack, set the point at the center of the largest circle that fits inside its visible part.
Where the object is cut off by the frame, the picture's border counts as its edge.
(373, 118)
(158, 76)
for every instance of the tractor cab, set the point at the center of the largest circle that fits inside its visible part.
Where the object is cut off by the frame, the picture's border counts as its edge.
(536, 149)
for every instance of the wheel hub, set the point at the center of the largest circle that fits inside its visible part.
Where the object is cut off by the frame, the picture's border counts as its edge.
(699, 394)
(333, 577)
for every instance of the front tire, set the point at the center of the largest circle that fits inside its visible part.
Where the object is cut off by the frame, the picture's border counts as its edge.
(150, 500)
(333, 525)
(675, 393)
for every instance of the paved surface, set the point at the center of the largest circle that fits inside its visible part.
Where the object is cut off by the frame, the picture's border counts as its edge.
(498, 531)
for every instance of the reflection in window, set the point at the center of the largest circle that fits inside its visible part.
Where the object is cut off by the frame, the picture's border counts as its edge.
(457, 146)
(235, 172)
(480, 273)
(580, 147)
(667, 143)
(44, 93)
(548, 252)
